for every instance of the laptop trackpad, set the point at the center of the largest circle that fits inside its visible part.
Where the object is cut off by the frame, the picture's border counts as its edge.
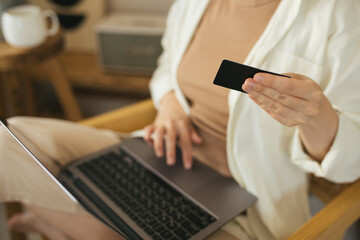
(187, 180)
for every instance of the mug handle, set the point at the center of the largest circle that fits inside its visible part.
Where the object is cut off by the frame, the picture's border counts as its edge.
(54, 22)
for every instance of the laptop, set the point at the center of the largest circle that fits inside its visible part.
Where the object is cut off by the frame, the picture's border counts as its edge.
(138, 196)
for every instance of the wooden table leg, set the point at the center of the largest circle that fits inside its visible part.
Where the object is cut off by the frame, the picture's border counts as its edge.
(12, 98)
(29, 94)
(63, 89)
(17, 94)
(6, 98)
(3, 104)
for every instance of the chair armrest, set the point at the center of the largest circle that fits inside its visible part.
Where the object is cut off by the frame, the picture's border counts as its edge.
(126, 119)
(335, 218)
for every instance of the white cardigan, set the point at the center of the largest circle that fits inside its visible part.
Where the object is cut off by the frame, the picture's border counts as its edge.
(319, 39)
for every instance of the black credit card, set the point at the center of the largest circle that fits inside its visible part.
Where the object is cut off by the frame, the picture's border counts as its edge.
(233, 75)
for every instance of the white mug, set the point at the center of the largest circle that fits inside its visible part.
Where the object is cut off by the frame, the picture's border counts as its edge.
(25, 26)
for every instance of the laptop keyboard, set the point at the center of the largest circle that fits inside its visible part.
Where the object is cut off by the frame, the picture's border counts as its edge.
(156, 207)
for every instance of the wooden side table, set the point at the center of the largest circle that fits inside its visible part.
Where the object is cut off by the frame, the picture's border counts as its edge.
(13, 62)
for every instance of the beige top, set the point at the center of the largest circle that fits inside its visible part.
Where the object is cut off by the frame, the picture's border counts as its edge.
(229, 29)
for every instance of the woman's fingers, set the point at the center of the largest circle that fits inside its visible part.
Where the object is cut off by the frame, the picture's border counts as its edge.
(170, 143)
(164, 136)
(278, 111)
(170, 133)
(148, 130)
(159, 140)
(185, 144)
(291, 101)
(291, 86)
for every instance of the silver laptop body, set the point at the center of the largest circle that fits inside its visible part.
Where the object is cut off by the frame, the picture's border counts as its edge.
(147, 199)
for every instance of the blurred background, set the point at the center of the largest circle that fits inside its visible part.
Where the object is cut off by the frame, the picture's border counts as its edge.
(101, 60)
(109, 53)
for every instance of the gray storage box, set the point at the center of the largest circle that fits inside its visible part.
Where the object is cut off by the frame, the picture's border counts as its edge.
(130, 44)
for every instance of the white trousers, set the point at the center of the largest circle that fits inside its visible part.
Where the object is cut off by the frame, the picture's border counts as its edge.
(56, 143)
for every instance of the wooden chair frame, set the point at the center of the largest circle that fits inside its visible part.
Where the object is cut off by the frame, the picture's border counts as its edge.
(329, 223)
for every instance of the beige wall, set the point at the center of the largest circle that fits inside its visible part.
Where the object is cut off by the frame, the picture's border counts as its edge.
(142, 6)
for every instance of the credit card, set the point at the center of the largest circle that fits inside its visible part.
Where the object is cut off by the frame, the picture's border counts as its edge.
(233, 75)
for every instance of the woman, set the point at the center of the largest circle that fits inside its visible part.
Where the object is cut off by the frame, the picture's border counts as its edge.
(269, 139)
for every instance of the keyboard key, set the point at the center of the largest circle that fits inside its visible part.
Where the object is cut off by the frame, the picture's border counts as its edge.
(141, 224)
(182, 234)
(179, 218)
(210, 219)
(171, 225)
(159, 228)
(166, 234)
(149, 231)
(190, 227)
(183, 208)
(156, 237)
(157, 212)
(143, 214)
(193, 218)
(164, 219)
(155, 223)
(150, 219)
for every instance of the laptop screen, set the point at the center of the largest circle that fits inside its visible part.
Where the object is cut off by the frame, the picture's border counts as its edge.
(19, 144)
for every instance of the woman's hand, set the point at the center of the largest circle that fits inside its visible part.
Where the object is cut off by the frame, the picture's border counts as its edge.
(297, 101)
(172, 123)
(292, 101)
